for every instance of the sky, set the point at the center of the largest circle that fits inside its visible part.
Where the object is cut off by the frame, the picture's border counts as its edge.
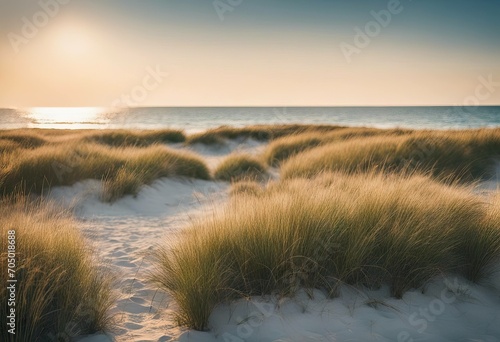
(74, 53)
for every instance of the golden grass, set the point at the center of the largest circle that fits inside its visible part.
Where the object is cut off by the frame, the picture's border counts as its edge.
(479, 250)
(331, 220)
(283, 148)
(30, 138)
(237, 167)
(23, 138)
(136, 138)
(7, 146)
(124, 169)
(258, 132)
(32, 160)
(247, 187)
(466, 155)
(60, 291)
(363, 230)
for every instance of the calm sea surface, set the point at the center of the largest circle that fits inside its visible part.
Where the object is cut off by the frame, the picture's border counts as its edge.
(196, 119)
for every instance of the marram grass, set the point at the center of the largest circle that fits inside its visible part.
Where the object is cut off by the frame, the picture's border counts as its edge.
(32, 138)
(122, 138)
(240, 166)
(257, 132)
(123, 169)
(281, 149)
(364, 230)
(246, 187)
(32, 160)
(61, 293)
(452, 155)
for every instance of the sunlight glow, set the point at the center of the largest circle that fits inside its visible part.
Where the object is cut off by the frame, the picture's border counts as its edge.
(72, 41)
(74, 118)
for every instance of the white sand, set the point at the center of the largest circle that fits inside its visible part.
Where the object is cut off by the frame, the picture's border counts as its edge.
(124, 233)
(450, 309)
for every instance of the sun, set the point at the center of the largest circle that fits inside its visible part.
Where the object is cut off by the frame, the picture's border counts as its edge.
(72, 41)
(63, 117)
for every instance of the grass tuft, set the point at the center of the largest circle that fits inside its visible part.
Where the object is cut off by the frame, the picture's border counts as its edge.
(251, 188)
(238, 167)
(450, 155)
(8, 146)
(479, 249)
(124, 169)
(363, 230)
(149, 165)
(25, 139)
(258, 132)
(121, 138)
(286, 147)
(60, 292)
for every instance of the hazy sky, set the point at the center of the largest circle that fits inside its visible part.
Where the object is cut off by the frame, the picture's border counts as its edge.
(249, 52)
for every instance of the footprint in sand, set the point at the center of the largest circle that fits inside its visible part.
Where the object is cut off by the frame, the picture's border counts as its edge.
(133, 326)
(124, 263)
(138, 300)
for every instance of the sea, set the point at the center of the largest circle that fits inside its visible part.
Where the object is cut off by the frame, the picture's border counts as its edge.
(195, 119)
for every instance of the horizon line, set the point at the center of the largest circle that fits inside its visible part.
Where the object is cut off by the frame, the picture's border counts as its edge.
(267, 106)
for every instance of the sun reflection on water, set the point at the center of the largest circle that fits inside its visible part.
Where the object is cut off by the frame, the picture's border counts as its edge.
(60, 117)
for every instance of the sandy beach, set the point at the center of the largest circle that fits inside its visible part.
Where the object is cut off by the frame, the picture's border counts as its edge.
(126, 232)
(249, 171)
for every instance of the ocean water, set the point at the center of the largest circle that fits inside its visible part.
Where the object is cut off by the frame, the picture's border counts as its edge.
(198, 119)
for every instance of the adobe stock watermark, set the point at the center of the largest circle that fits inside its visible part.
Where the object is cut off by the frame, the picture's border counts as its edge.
(11, 282)
(223, 6)
(485, 88)
(420, 319)
(421, 152)
(296, 277)
(32, 26)
(150, 82)
(363, 36)
(61, 171)
(247, 326)
(281, 113)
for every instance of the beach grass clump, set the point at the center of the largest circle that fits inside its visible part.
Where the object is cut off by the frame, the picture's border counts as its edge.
(479, 248)
(363, 230)
(121, 138)
(247, 187)
(206, 138)
(149, 165)
(451, 155)
(125, 181)
(196, 290)
(240, 167)
(8, 146)
(23, 138)
(32, 138)
(61, 292)
(257, 132)
(282, 149)
(286, 147)
(123, 169)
